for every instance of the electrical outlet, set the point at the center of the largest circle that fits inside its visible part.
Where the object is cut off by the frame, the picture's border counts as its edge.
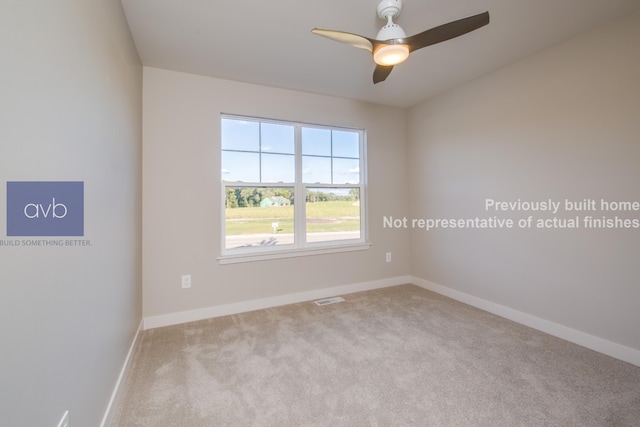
(186, 281)
(64, 422)
(388, 257)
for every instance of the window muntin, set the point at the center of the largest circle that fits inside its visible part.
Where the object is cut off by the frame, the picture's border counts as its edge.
(330, 156)
(267, 165)
(257, 152)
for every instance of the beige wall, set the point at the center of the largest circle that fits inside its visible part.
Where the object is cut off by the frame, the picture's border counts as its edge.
(561, 124)
(70, 109)
(181, 193)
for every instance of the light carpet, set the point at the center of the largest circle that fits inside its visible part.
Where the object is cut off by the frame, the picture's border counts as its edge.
(399, 356)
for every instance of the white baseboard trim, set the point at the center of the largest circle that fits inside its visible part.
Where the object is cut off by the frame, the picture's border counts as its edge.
(618, 351)
(258, 304)
(107, 419)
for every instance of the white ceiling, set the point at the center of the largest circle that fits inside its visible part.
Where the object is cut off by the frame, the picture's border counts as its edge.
(270, 42)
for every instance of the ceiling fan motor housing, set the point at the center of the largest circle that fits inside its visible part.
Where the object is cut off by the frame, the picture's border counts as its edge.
(391, 31)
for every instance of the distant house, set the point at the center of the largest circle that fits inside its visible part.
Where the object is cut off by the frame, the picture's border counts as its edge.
(274, 201)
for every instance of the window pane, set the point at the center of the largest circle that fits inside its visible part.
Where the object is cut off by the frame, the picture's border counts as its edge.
(278, 168)
(332, 214)
(258, 217)
(346, 144)
(346, 171)
(316, 170)
(316, 142)
(276, 138)
(240, 166)
(240, 135)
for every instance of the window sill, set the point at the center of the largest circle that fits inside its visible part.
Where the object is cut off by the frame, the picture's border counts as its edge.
(292, 253)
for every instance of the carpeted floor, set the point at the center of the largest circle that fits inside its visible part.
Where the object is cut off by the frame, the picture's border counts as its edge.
(399, 356)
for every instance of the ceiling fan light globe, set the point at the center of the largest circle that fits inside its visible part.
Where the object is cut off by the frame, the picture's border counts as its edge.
(391, 54)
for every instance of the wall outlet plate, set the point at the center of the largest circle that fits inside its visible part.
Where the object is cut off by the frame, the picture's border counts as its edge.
(388, 257)
(186, 281)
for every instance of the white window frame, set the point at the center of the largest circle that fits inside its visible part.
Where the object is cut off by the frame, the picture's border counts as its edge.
(300, 247)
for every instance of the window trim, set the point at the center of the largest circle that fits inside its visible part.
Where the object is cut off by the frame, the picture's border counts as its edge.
(290, 253)
(300, 246)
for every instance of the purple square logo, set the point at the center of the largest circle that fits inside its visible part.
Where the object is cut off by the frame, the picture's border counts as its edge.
(45, 208)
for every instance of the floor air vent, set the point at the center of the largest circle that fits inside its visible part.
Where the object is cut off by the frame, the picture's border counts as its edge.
(328, 301)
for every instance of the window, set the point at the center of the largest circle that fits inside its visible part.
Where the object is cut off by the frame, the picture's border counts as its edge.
(291, 188)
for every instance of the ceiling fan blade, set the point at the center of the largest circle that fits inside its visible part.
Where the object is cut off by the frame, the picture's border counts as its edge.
(381, 73)
(347, 38)
(447, 31)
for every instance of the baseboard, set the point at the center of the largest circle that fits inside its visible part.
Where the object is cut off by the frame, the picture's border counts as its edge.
(618, 351)
(117, 390)
(258, 304)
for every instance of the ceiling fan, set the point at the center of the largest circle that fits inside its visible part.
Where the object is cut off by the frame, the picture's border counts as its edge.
(392, 46)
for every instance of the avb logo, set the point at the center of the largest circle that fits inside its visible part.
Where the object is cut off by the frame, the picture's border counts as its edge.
(45, 208)
(33, 210)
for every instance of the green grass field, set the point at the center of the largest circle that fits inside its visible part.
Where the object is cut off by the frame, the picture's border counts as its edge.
(321, 217)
